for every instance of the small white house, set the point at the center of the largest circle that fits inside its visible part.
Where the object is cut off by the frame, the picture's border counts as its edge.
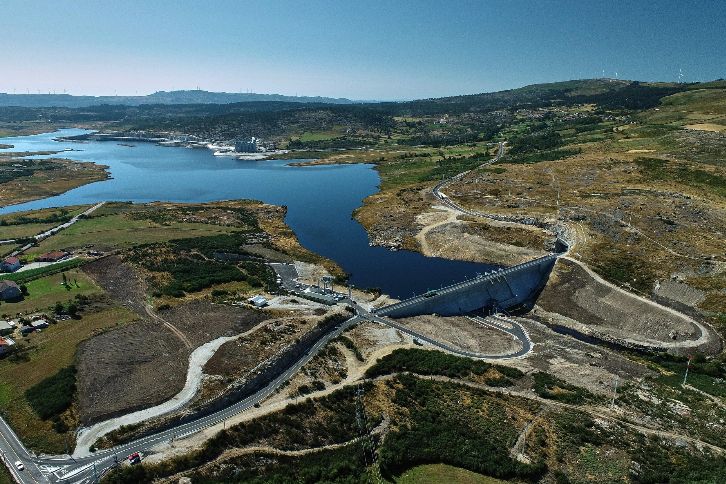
(6, 327)
(258, 301)
(39, 324)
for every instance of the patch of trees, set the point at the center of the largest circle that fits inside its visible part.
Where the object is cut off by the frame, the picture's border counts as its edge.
(59, 217)
(72, 307)
(439, 432)
(348, 343)
(191, 275)
(54, 395)
(211, 244)
(314, 386)
(427, 362)
(633, 96)
(552, 388)
(657, 463)
(538, 141)
(25, 168)
(191, 272)
(164, 216)
(440, 140)
(333, 319)
(344, 466)
(575, 429)
(714, 367)
(449, 166)
(540, 156)
(342, 142)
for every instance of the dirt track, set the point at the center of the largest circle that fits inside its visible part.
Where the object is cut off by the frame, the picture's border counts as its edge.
(596, 306)
(144, 364)
(462, 333)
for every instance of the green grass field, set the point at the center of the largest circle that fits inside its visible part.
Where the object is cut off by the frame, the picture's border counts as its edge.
(318, 136)
(27, 224)
(43, 293)
(115, 231)
(24, 230)
(39, 356)
(442, 473)
(697, 106)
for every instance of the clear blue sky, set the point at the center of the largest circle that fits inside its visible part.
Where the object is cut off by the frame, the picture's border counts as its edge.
(363, 49)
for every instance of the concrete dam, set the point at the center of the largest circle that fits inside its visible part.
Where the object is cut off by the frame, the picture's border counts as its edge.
(511, 289)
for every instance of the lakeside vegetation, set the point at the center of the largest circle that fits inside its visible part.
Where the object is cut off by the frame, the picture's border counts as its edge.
(23, 179)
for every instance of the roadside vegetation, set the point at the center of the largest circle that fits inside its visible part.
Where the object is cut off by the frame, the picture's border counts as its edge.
(425, 424)
(53, 395)
(426, 362)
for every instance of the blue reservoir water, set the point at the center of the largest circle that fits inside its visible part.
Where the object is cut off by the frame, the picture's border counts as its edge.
(320, 201)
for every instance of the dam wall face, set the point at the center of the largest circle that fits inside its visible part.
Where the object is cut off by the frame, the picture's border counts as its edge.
(512, 288)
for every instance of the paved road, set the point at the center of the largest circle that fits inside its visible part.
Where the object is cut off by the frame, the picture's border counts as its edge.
(513, 328)
(54, 230)
(88, 469)
(448, 202)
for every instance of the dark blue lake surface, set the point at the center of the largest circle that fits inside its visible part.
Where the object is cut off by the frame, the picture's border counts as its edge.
(320, 201)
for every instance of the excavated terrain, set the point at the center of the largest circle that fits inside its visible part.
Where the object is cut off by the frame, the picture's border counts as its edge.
(462, 333)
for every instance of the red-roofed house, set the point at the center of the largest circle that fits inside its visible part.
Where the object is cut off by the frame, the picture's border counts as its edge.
(6, 344)
(54, 256)
(11, 264)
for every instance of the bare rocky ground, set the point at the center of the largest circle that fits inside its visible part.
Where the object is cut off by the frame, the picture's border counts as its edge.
(462, 333)
(137, 366)
(583, 301)
(202, 321)
(237, 358)
(120, 281)
(144, 364)
(582, 364)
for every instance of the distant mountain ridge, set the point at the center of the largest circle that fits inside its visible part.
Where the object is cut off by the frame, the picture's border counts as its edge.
(159, 97)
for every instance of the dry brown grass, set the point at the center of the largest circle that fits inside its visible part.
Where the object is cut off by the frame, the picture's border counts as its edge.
(46, 183)
(40, 356)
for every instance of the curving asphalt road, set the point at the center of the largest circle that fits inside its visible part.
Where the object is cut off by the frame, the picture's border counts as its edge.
(88, 469)
(512, 327)
(65, 468)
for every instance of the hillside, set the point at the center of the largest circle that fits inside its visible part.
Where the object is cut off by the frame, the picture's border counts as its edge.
(159, 97)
